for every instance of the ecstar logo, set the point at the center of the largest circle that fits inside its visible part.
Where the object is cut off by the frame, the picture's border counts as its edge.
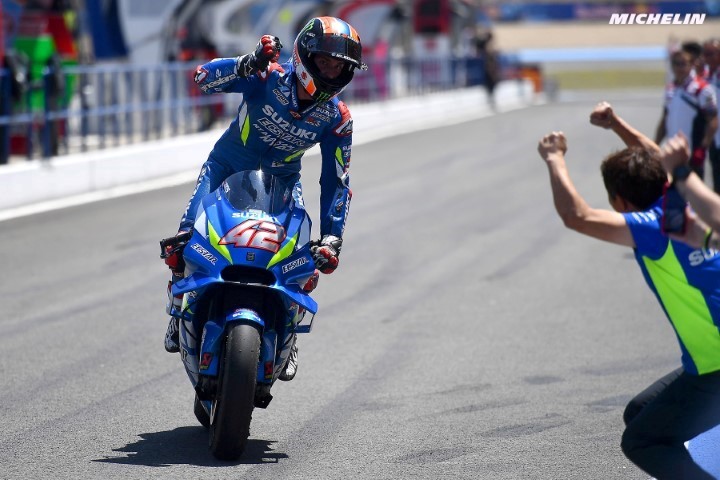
(294, 264)
(657, 19)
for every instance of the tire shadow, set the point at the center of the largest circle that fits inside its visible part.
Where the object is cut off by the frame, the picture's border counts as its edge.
(187, 446)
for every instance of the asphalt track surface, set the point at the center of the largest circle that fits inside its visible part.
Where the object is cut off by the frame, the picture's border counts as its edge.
(466, 335)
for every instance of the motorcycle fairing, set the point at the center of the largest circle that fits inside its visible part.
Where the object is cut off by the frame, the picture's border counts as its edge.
(225, 238)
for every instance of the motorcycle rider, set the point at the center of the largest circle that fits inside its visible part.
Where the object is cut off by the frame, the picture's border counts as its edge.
(285, 109)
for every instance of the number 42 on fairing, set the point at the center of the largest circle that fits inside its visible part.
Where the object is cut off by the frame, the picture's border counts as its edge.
(255, 234)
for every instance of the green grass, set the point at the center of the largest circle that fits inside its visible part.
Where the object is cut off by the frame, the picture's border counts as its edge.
(604, 79)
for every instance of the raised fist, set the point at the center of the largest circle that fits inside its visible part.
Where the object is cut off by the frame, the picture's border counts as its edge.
(675, 152)
(602, 115)
(266, 51)
(553, 143)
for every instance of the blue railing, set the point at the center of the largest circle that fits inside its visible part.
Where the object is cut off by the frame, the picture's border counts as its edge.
(80, 108)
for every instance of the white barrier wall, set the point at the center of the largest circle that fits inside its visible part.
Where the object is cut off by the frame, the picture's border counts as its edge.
(46, 180)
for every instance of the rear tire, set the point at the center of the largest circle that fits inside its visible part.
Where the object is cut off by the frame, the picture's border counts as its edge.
(234, 403)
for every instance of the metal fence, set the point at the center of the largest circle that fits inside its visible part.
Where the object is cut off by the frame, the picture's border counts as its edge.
(80, 108)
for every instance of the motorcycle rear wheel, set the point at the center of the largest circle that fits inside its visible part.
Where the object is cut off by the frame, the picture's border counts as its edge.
(234, 403)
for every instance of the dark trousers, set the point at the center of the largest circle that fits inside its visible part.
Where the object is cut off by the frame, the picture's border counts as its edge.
(714, 153)
(664, 416)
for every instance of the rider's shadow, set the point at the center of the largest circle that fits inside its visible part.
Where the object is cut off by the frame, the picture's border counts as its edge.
(187, 446)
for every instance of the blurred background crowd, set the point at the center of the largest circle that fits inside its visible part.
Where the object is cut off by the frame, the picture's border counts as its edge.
(82, 74)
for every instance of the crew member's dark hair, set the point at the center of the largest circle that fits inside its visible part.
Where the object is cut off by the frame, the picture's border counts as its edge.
(635, 174)
(693, 48)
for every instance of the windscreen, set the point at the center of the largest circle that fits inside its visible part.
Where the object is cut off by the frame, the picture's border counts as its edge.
(256, 190)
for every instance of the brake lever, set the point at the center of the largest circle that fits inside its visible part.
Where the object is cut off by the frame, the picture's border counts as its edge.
(174, 243)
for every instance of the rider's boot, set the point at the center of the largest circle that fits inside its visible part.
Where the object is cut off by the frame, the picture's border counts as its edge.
(172, 336)
(292, 363)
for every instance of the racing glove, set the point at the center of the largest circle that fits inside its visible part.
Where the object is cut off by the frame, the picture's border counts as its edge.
(266, 51)
(326, 253)
(312, 282)
(171, 250)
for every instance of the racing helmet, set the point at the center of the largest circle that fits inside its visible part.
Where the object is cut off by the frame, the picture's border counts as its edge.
(330, 36)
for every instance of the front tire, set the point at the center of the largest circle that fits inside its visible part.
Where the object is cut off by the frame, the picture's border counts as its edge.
(200, 413)
(234, 403)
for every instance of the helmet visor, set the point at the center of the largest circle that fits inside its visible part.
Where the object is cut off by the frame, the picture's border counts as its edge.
(338, 47)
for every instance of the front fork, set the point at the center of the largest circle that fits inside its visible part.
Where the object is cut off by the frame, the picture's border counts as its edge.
(208, 354)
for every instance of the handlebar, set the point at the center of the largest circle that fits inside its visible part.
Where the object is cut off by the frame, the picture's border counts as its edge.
(170, 245)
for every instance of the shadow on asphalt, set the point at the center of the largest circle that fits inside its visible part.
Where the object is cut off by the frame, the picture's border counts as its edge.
(187, 446)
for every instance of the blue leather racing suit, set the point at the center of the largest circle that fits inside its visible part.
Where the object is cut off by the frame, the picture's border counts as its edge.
(271, 132)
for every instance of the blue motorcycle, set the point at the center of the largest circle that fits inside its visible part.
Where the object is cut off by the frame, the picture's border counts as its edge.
(246, 262)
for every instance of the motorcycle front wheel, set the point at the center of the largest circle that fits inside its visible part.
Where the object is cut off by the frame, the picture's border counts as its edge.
(200, 413)
(234, 403)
